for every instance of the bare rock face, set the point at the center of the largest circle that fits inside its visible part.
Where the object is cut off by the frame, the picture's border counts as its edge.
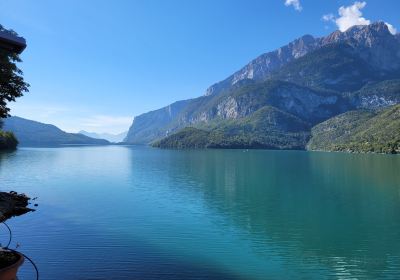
(228, 109)
(376, 102)
(146, 126)
(305, 103)
(373, 42)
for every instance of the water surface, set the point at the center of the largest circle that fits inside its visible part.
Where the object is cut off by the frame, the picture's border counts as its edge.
(141, 213)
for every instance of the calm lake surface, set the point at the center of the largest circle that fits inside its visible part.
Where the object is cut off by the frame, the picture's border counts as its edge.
(141, 213)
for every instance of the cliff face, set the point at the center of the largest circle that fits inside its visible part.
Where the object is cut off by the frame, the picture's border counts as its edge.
(310, 78)
(154, 124)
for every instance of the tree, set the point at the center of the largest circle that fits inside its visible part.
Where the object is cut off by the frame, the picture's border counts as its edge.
(12, 84)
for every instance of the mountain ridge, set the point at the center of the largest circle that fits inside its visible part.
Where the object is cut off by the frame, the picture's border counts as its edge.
(266, 63)
(335, 67)
(32, 133)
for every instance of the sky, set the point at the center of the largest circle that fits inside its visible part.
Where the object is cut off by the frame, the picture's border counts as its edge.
(95, 64)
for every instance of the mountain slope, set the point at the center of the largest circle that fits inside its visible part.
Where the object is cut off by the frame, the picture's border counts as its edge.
(31, 133)
(268, 127)
(359, 131)
(336, 67)
(261, 67)
(311, 105)
(376, 95)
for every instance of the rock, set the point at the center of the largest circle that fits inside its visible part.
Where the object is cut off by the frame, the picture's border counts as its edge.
(13, 204)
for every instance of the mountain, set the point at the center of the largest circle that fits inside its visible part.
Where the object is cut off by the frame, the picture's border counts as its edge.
(268, 128)
(311, 79)
(32, 133)
(114, 138)
(359, 131)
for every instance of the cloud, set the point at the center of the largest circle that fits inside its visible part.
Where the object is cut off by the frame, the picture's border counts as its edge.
(391, 28)
(350, 16)
(328, 17)
(295, 3)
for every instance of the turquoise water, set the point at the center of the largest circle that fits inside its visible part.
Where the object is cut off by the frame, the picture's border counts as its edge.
(141, 213)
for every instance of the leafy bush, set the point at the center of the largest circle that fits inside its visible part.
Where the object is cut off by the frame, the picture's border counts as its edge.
(8, 140)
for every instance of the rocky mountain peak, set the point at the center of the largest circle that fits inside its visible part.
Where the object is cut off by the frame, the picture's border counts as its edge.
(361, 35)
(374, 43)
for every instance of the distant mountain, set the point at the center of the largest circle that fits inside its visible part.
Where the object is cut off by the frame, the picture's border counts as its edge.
(32, 133)
(114, 138)
(305, 83)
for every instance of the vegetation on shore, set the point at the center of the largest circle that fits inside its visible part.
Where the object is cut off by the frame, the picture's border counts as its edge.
(355, 131)
(8, 141)
(359, 131)
(12, 86)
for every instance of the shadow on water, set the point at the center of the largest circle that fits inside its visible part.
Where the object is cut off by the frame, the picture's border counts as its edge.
(6, 154)
(73, 251)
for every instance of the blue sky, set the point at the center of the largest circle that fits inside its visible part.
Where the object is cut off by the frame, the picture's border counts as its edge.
(94, 65)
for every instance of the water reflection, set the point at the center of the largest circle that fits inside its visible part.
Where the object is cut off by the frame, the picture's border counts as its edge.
(215, 214)
(338, 209)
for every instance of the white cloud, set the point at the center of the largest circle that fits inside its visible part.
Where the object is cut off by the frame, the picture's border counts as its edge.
(352, 15)
(295, 3)
(391, 28)
(328, 17)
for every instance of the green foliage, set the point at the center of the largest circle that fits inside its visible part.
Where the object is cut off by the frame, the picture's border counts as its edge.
(187, 138)
(12, 84)
(8, 141)
(359, 131)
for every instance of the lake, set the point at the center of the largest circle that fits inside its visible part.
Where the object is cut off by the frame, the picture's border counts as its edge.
(122, 212)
